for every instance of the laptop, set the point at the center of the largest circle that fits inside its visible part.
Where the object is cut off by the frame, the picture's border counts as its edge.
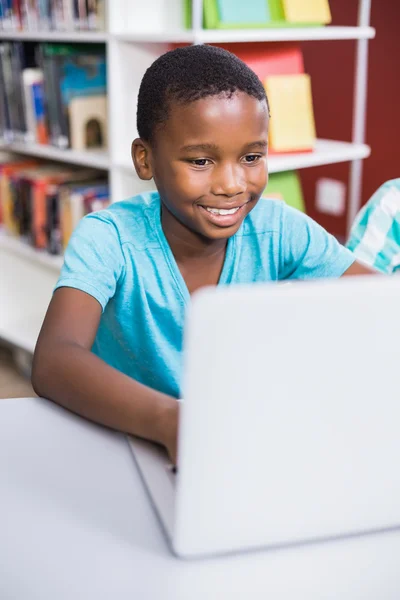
(290, 424)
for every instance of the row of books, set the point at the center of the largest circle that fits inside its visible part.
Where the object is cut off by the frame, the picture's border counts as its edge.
(53, 94)
(43, 202)
(236, 14)
(45, 15)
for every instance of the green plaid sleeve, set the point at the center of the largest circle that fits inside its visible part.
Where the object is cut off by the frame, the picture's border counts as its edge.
(375, 235)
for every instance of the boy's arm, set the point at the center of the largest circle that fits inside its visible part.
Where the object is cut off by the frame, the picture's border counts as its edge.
(359, 269)
(67, 372)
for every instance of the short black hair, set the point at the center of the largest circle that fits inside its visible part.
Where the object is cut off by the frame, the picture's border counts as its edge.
(187, 74)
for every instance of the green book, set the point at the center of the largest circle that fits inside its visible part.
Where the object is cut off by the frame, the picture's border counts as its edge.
(286, 186)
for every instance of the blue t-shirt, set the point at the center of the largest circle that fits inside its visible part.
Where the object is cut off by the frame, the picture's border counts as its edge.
(121, 257)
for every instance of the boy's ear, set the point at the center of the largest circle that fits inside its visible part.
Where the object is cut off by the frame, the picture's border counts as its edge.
(141, 156)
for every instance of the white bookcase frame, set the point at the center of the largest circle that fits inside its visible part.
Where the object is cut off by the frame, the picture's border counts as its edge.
(137, 34)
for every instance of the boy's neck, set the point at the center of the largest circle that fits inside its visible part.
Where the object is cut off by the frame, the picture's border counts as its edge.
(188, 245)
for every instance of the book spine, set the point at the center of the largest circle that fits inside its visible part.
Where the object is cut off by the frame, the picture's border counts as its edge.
(51, 105)
(44, 9)
(8, 17)
(30, 119)
(38, 100)
(82, 9)
(30, 16)
(63, 141)
(68, 15)
(54, 242)
(9, 91)
(38, 226)
(4, 116)
(76, 14)
(17, 15)
(17, 62)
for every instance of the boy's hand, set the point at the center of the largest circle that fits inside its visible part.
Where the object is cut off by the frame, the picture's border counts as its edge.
(169, 429)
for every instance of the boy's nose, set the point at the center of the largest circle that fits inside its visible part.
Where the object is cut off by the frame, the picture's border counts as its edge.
(228, 181)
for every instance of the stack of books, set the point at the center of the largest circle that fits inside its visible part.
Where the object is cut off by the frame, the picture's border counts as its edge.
(236, 14)
(43, 202)
(58, 15)
(53, 94)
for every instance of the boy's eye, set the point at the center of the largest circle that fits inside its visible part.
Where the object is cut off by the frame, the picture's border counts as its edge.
(251, 158)
(200, 162)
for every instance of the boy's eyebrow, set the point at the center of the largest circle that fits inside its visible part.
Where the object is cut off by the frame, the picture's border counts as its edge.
(199, 147)
(195, 147)
(258, 144)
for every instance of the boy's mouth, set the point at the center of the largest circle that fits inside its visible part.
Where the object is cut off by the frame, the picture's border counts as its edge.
(222, 211)
(223, 217)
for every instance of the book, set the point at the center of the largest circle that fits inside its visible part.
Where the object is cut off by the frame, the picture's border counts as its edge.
(292, 126)
(41, 132)
(269, 59)
(30, 77)
(305, 11)
(286, 186)
(88, 122)
(239, 12)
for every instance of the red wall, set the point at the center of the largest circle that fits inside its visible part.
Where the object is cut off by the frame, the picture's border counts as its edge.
(332, 65)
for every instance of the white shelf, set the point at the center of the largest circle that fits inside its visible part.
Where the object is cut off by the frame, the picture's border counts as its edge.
(14, 245)
(250, 35)
(56, 36)
(95, 159)
(326, 152)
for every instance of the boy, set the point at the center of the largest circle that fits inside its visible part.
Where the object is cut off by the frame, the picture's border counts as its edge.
(110, 346)
(375, 235)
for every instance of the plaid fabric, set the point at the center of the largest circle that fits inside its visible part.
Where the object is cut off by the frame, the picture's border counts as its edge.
(375, 235)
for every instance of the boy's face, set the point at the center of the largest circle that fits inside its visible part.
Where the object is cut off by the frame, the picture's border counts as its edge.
(209, 162)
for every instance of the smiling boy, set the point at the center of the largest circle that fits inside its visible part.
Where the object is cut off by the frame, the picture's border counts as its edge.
(111, 345)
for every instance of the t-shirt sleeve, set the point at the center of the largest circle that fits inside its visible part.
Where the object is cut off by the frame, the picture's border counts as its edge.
(93, 261)
(307, 250)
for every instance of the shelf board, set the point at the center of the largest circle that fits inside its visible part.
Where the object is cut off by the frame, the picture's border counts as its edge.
(326, 152)
(15, 245)
(56, 36)
(95, 159)
(250, 35)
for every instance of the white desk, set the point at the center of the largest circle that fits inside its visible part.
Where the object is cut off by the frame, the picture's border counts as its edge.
(75, 523)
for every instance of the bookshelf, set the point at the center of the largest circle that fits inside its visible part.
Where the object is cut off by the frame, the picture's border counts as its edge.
(137, 34)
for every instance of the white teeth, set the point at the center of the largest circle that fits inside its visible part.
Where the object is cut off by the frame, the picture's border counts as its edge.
(223, 211)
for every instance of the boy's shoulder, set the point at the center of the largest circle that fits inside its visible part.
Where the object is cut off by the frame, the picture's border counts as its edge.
(132, 218)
